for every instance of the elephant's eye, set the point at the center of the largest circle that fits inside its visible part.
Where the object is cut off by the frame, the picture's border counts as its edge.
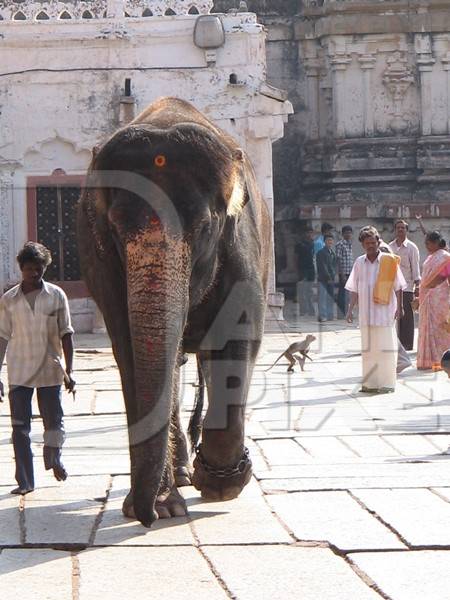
(160, 161)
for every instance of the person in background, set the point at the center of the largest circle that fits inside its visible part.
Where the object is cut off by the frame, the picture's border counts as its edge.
(445, 362)
(326, 275)
(376, 285)
(410, 267)
(307, 272)
(319, 242)
(403, 359)
(421, 225)
(35, 330)
(434, 304)
(344, 257)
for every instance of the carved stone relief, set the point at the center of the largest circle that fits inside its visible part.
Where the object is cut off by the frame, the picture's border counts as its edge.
(397, 78)
(97, 9)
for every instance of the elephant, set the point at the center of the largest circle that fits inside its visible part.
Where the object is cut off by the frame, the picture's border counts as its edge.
(174, 241)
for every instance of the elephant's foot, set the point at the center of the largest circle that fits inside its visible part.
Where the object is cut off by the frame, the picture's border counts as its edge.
(170, 504)
(127, 506)
(183, 475)
(216, 484)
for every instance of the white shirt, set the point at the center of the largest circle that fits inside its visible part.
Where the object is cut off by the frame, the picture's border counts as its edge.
(34, 336)
(410, 264)
(362, 281)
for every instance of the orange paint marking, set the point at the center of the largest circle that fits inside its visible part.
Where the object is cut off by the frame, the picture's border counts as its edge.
(160, 160)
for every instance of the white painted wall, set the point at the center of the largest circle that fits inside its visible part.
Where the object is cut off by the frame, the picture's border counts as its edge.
(61, 82)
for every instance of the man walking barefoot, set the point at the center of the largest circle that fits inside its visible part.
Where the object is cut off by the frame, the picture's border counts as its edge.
(410, 267)
(376, 285)
(35, 330)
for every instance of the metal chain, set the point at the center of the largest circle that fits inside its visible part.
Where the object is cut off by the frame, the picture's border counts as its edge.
(238, 469)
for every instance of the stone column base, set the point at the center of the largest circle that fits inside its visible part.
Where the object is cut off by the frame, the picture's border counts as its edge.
(98, 324)
(274, 311)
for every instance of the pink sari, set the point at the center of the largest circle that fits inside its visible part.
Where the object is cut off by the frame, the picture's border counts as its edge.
(434, 304)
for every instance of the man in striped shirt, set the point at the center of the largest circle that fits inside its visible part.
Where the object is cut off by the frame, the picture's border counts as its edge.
(35, 331)
(344, 255)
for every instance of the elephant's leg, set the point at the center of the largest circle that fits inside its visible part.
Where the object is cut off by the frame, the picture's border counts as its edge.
(180, 456)
(222, 467)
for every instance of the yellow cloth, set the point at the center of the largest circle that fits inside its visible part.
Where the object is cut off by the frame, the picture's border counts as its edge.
(382, 292)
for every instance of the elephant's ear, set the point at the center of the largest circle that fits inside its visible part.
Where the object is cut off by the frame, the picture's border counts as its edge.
(236, 196)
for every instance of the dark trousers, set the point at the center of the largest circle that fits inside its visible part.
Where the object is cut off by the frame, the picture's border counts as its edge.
(50, 409)
(343, 299)
(326, 300)
(406, 324)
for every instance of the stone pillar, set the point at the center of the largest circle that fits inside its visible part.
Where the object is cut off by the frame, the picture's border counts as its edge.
(425, 63)
(312, 78)
(6, 220)
(446, 66)
(127, 110)
(263, 130)
(339, 63)
(367, 63)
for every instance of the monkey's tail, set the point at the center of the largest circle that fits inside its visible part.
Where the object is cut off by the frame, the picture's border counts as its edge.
(273, 363)
(196, 420)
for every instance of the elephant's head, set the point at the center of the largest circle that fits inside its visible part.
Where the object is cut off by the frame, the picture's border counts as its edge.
(163, 197)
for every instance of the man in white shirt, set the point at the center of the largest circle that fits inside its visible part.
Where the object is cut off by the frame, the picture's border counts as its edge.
(376, 320)
(35, 331)
(410, 267)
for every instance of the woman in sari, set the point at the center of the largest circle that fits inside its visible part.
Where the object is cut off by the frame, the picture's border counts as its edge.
(434, 304)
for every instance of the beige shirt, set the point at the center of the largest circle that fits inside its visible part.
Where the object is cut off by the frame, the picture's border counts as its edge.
(362, 281)
(410, 262)
(34, 335)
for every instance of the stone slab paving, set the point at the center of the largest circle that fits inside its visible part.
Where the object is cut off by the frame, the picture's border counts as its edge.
(408, 575)
(442, 442)
(63, 522)
(116, 530)
(333, 466)
(412, 445)
(38, 574)
(330, 448)
(333, 517)
(9, 519)
(370, 446)
(245, 520)
(283, 452)
(444, 492)
(419, 515)
(269, 572)
(177, 573)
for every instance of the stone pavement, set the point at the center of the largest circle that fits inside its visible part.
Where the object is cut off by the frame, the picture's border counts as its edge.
(350, 499)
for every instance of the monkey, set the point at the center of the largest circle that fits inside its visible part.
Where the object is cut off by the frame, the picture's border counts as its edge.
(297, 348)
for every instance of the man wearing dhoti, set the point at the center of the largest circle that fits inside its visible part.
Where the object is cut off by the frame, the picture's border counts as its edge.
(376, 284)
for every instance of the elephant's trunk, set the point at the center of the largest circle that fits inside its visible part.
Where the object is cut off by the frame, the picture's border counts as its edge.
(158, 269)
